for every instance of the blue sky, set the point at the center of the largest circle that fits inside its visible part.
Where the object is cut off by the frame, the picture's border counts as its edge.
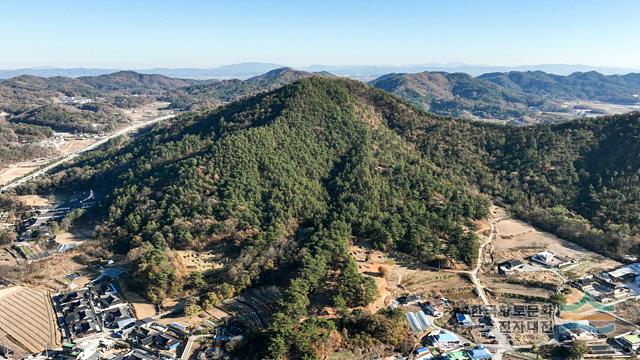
(143, 34)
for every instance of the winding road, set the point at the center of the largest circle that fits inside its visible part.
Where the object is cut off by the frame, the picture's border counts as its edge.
(75, 154)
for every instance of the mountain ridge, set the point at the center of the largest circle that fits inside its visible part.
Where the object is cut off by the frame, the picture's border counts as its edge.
(364, 72)
(280, 183)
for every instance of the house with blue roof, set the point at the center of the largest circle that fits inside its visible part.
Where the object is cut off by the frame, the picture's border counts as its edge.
(464, 319)
(480, 353)
(443, 339)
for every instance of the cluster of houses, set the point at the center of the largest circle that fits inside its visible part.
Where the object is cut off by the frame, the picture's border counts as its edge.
(612, 285)
(545, 258)
(446, 345)
(439, 343)
(152, 340)
(96, 313)
(91, 310)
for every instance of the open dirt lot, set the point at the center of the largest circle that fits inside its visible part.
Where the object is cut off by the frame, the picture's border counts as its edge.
(403, 275)
(147, 112)
(15, 171)
(26, 319)
(629, 310)
(518, 240)
(34, 200)
(141, 307)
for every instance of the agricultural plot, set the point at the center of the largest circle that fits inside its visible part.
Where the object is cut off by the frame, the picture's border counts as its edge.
(517, 240)
(27, 319)
(255, 306)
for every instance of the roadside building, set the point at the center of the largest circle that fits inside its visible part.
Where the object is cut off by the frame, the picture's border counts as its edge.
(629, 340)
(549, 259)
(480, 353)
(576, 330)
(625, 274)
(510, 266)
(444, 340)
(603, 290)
(464, 319)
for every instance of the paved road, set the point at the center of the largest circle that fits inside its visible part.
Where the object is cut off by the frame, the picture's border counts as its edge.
(71, 156)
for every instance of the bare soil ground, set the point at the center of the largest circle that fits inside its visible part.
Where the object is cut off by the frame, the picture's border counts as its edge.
(49, 273)
(528, 339)
(34, 200)
(147, 112)
(27, 318)
(79, 234)
(544, 279)
(369, 263)
(403, 275)
(141, 307)
(14, 171)
(629, 310)
(518, 240)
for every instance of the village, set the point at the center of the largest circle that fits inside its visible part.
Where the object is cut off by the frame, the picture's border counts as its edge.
(529, 291)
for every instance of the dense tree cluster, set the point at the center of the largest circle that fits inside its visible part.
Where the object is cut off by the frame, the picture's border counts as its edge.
(281, 183)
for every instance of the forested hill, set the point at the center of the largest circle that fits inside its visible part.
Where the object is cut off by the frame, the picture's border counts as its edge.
(137, 83)
(218, 92)
(624, 89)
(525, 97)
(458, 94)
(281, 182)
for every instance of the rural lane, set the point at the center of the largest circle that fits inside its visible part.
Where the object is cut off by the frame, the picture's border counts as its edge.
(75, 154)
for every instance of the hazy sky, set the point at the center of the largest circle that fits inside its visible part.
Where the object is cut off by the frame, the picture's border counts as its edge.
(142, 34)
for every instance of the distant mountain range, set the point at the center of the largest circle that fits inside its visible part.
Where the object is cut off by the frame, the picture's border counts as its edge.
(523, 97)
(216, 92)
(530, 96)
(361, 72)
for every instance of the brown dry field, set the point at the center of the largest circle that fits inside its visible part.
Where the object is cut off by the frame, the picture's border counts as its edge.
(146, 111)
(141, 307)
(629, 310)
(517, 240)
(504, 289)
(33, 200)
(27, 318)
(15, 171)
(407, 276)
(49, 273)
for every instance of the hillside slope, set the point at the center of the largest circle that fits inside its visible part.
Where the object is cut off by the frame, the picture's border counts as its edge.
(580, 85)
(278, 184)
(457, 94)
(219, 92)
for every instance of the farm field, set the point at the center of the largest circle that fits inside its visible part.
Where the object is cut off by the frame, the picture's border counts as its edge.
(518, 240)
(27, 320)
(403, 275)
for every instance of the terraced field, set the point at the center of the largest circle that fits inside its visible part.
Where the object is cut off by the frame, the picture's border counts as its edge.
(27, 320)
